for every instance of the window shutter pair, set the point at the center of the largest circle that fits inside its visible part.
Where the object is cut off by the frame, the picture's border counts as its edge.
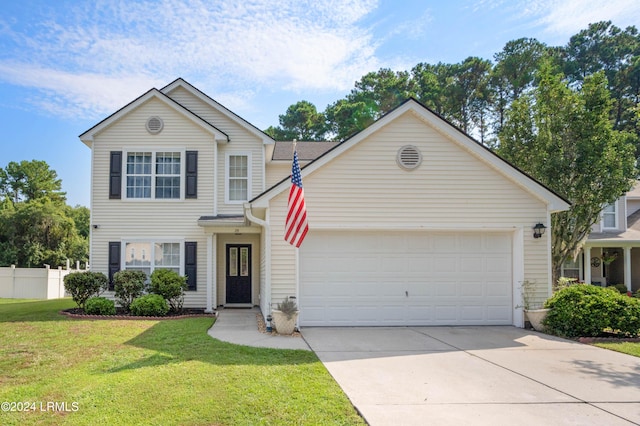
(115, 175)
(190, 262)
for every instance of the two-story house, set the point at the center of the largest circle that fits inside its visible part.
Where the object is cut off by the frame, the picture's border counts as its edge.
(411, 222)
(611, 254)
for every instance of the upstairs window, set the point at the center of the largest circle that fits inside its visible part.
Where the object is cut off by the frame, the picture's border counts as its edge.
(238, 185)
(153, 175)
(139, 175)
(168, 175)
(610, 216)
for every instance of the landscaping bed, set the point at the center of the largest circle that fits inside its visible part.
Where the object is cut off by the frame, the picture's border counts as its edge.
(123, 314)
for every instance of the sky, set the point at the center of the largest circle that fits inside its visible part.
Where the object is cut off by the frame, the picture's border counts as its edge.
(67, 64)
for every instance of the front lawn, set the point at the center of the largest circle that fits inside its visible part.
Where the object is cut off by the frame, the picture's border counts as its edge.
(629, 348)
(61, 371)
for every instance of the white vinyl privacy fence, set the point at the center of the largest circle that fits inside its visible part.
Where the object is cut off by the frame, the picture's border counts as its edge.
(32, 283)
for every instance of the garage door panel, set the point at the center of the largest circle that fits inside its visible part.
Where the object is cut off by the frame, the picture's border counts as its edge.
(445, 263)
(405, 278)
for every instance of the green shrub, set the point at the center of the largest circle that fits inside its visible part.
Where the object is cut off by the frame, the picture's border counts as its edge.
(170, 285)
(83, 285)
(622, 289)
(587, 310)
(150, 305)
(128, 285)
(564, 282)
(100, 306)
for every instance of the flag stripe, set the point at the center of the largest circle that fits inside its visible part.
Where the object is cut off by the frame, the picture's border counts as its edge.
(296, 225)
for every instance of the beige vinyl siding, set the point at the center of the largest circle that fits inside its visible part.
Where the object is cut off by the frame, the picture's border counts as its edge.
(364, 188)
(241, 141)
(122, 219)
(276, 171)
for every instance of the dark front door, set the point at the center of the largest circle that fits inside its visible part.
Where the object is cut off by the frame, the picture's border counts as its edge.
(238, 273)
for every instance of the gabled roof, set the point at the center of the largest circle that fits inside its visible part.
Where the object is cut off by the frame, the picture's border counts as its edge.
(87, 136)
(180, 82)
(553, 200)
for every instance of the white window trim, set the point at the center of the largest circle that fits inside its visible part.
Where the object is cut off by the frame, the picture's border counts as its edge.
(227, 177)
(615, 217)
(152, 242)
(153, 152)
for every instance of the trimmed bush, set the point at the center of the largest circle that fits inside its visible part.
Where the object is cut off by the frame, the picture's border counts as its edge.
(622, 289)
(128, 285)
(83, 285)
(586, 310)
(100, 306)
(170, 285)
(150, 305)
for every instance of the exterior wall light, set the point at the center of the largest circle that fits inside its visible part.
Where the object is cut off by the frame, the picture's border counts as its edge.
(538, 230)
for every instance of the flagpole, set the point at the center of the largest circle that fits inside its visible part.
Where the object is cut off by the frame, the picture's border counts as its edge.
(296, 258)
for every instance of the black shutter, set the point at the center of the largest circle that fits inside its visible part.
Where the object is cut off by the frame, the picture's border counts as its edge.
(115, 175)
(114, 261)
(190, 264)
(191, 175)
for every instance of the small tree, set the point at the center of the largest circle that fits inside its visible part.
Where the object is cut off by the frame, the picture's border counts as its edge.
(170, 285)
(564, 139)
(128, 285)
(83, 285)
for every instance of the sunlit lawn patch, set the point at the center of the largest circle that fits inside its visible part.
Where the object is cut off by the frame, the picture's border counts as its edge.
(153, 372)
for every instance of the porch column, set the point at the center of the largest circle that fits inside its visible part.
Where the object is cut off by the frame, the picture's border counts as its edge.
(587, 265)
(627, 268)
(210, 274)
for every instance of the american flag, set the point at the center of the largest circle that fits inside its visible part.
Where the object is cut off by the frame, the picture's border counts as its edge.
(296, 227)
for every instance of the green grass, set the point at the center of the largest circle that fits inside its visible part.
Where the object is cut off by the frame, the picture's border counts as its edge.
(171, 372)
(629, 348)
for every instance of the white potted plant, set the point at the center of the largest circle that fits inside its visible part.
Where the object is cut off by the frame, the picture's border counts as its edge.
(534, 311)
(285, 316)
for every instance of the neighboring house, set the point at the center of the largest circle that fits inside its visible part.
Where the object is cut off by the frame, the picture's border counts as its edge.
(611, 254)
(411, 222)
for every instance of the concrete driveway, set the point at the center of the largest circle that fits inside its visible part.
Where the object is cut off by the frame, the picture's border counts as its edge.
(478, 376)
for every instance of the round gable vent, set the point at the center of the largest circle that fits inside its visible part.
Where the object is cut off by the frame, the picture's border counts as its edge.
(154, 125)
(409, 157)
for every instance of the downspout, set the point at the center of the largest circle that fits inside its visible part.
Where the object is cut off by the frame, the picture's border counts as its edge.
(267, 253)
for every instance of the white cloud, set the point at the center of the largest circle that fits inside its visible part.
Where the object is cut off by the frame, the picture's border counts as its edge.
(567, 17)
(95, 57)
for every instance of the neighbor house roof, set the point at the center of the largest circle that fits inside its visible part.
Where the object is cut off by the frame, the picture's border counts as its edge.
(540, 191)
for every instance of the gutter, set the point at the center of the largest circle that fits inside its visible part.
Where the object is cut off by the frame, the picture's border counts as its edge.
(267, 253)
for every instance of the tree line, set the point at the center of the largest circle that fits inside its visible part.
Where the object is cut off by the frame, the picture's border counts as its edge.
(37, 227)
(476, 93)
(566, 115)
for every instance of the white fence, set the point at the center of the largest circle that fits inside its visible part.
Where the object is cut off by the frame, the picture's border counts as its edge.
(32, 283)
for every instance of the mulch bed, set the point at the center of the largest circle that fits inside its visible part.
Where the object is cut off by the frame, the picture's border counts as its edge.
(120, 314)
(591, 340)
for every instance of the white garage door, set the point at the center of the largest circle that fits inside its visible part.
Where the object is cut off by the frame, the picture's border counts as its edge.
(405, 278)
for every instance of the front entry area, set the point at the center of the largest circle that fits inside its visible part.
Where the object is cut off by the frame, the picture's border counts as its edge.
(238, 273)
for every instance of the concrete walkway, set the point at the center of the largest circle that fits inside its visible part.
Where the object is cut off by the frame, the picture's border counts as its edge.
(478, 376)
(239, 326)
